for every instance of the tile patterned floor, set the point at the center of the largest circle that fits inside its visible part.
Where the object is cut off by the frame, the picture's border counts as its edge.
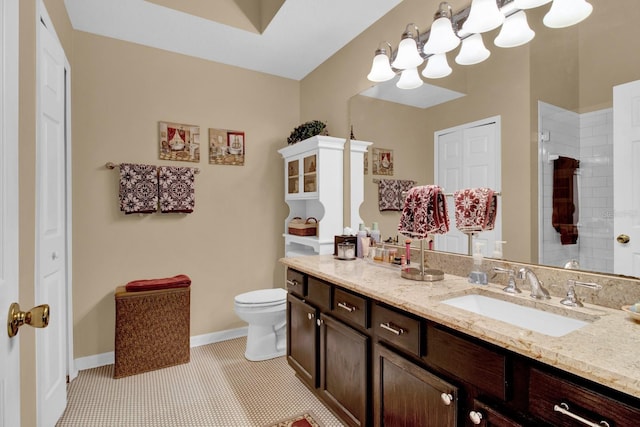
(218, 387)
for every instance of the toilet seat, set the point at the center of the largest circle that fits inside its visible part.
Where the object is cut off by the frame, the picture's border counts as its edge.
(262, 297)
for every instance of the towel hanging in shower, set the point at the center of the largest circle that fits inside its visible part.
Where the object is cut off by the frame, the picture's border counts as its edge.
(565, 199)
(138, 188)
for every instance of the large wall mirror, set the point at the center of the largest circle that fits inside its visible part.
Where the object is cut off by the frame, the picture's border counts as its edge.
(560, 85)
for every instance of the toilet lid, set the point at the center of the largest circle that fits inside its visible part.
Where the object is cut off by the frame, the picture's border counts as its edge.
(262, 296)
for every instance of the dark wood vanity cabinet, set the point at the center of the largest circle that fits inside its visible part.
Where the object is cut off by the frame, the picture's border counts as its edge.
(377, 365)
(344, 370)
(407, 395)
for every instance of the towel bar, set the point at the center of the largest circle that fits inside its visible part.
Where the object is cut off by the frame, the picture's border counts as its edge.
(111, 165)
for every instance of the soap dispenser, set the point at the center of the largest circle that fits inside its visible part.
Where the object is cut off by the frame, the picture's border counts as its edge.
(477, 275)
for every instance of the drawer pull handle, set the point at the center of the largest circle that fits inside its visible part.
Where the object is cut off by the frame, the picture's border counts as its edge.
(392, 328)
(310, 316)
(446, 398)
(346, 306)
(292, 282)
(563, 408)
(475, 417)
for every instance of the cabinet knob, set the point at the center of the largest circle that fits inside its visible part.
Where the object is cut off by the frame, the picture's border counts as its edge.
(310, 316)
(446, 398)
(475, 417)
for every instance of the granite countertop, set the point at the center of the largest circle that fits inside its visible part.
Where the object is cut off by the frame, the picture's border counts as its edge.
(604, 351)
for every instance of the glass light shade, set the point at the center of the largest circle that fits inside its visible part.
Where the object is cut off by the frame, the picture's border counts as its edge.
(408, 56)
(409, 79)
(565, 13)
(515, 31)
(442, 39)
(484, 16)
(381, 69)
(529, 4)
(437, 67)
(472, 51)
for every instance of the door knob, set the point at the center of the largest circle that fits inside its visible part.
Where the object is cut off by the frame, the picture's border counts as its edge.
(38, 317)
(623, 238)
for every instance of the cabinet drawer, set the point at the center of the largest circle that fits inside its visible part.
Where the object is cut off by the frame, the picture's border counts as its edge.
(546, 392)
(319, 293)
(351, 308)
(398, 329)
(296, 282)
(475, 364)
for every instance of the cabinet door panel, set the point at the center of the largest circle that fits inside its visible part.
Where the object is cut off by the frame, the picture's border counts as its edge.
(406, 395)
(302, 340)
(343, 370)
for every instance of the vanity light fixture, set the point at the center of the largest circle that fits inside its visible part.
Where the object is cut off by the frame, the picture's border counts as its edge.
(484, 16)
(448, 29)
(381, 68)
(442, 38)
(407, 55)
(472, 51)
(409, 79)
(565, 13)
(515, 31)
(437, 67)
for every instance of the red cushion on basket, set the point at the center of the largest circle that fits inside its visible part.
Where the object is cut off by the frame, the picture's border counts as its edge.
(179, 281)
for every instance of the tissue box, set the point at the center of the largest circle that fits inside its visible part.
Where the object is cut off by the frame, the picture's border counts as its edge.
(300, 227)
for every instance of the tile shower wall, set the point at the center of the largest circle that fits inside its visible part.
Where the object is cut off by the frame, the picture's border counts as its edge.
(589, 138)
(596, 212)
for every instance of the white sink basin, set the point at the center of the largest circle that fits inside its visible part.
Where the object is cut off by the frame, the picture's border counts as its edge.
(536, 320)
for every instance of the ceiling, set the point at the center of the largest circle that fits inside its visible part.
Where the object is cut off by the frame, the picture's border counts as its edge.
(286, 38)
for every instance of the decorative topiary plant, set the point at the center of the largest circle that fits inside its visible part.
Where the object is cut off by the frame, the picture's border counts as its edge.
(307, 130)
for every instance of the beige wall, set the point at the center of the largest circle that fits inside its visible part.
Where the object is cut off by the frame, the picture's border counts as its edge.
(232, 241)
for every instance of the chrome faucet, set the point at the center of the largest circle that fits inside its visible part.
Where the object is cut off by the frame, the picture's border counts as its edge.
(537, 290)
(511, 287)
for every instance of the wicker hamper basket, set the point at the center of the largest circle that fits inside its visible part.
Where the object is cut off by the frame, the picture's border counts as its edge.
(300, 227)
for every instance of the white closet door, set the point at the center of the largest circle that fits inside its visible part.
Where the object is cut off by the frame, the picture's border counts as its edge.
(468, 156)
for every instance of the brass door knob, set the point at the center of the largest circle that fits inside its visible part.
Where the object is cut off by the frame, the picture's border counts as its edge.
(38, 317)
(623, 238)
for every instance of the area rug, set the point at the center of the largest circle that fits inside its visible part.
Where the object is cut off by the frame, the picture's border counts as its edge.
(302, 420)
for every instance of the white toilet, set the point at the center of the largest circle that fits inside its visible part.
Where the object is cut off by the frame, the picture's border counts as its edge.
(265, 312)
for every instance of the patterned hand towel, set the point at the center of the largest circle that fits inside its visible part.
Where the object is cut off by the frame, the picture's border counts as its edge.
(138, 188)
(476, 209)
(177, 189)
(565, 199)
(424, 212)
(388, 195)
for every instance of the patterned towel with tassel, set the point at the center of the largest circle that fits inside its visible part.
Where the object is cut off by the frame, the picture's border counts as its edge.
(476, 209)
(138, 188)
(177, 189)
(424, 212)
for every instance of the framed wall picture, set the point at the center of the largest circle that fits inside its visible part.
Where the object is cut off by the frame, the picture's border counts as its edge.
(366, 163)
(179, 142)
(226, 147)
(382, 161)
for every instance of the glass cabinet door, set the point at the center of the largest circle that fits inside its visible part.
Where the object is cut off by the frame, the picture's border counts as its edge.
(293, 177)
(310, 174)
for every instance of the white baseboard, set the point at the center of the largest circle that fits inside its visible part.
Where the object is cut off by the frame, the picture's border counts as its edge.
(97, 360)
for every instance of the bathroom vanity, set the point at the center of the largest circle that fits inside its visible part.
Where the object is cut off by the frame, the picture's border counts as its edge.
(381, 350)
